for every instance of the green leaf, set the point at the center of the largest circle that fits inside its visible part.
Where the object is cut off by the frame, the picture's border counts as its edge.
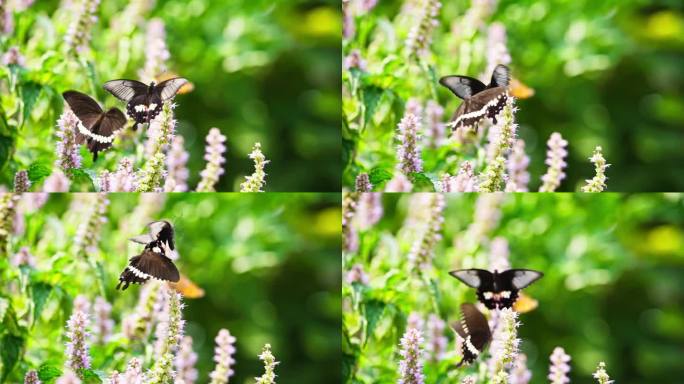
(29, 94)
(40, 292)
(81, 180)
(38, 171)
(6, 149)
(90, 377)
(373, 310)
(9, 353)
(48, 372)
(421, 183)
(379, 176)
(371, 97)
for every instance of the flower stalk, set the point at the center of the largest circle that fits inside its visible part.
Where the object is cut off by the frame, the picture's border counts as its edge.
(223, 356)
(256, 181)
(215, 159)
(495, 174)
(598, 183)
(269, 366)
(555, 159)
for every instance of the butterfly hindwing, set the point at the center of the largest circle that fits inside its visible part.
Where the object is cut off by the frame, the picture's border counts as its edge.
(474, 329)
(462, 86)
(167, 89)
(501, 77)
(148, 265)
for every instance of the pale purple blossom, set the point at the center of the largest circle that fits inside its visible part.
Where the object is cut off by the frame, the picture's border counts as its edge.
(415, 320)
(498, 255)
(124, 179)
(420, 36)
(464, 181)
(437, 341)
(56, 182)
(423, 248)
(133, 374)
(79, 33)
(559, 368)
(468, 380)
(176, 163)
(399, 183)
(103, 321)
(411, 364)
(68, 155)
(519, 372)
(269, 366)
(89, 230)
(21, 182)
(348, 27)
(156, 53)
(22, 5)
(169, 334)
(31, 377)
(24, 257)
(31, 202)
(555, 159)
(494, 176)
(517, 163)
(6, 19)
(77, 349)
(68, 377)
(601, 375)
(214, 156)
(350, 240)
(505, 345)
(370, 209)
(598, 183)
(8, 213)
(354, 60)
(363, 183)
(357, 275)
(435, 132)
(13, 57)
(497, 51)
(160, 134)
(223, 357)
(415, 107)
(409, 151)
(185, 362)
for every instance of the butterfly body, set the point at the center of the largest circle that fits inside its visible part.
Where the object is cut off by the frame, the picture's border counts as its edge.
(497, 289)
(144, 102)
(154, 262)
(480, 101)
(474, 330)
(96, 128)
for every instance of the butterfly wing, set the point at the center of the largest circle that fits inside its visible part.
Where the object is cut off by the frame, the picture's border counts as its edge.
(474, 278)
(167, 89)
(462, 86)
(86, 109)
(501, 77)
(475, 332)
(124, 89)
(486, 104)
(102, 135)
(142, 239)
(148, 265)
(519, 278)
(163, 232)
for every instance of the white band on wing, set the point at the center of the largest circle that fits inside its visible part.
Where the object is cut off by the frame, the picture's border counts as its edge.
(99, 138)
(479, 113)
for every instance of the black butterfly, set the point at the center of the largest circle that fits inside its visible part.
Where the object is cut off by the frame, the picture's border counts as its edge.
(96, 127)
(479, 101)
(474, 330)
(144, 101)
(154, 261)
(498, 289)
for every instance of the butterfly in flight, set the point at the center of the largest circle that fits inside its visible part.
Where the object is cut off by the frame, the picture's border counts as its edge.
(155, 260)
(144, 102)
(474, 330)
(96, 127)
(497, 289)
(480, 101)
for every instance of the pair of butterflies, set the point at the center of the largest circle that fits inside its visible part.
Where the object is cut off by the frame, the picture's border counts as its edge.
(154, 261)
(494, 290)
(98, 128)
(480, 101)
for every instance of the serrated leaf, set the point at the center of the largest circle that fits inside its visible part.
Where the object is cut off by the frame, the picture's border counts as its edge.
(38, 171)
(9, 353)
(373, 310)
(48, 372)
(29, 95)
(6, 149)
(371, 97)
(421, 183)
(379, 175)
(40, 292)
(90, 377)
(81, 180)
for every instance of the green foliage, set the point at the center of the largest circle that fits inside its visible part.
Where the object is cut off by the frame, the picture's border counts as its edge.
(603, 74)
(262, 72)
(268, 264)
(612, 277)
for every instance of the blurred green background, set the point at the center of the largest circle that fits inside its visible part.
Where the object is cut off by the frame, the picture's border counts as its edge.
(262, 70)
(269, 276)
(605, 73)
(613, 287)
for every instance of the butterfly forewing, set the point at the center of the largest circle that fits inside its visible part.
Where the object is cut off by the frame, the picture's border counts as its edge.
(474, 278)
(521, 278)
(124, 89)
(86, 109)
(501, 77)
(462, 86)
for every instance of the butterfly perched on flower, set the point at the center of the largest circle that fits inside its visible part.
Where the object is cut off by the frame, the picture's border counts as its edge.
(497, 289)
(96, 127)
(480, 101)
(155, 261)
(474, 329)
(144, 102)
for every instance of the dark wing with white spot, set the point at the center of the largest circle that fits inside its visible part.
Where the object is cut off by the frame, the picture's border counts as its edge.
(146, 266)
(501, 77)
(86, 109)
(462, 86)
(167, 89)
(474, 278)
(124, 89)
(520, 278)
(102, 135)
